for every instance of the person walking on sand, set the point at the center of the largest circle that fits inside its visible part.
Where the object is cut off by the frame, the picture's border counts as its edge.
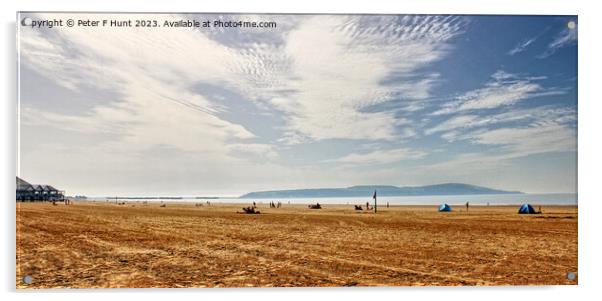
(466, 206)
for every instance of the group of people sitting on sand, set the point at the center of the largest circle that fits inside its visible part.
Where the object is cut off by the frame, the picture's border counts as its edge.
(368, 207)
(250, 209)
(316, 206)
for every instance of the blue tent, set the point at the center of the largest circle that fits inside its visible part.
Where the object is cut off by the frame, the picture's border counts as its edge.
(526, 209)
(445, 208)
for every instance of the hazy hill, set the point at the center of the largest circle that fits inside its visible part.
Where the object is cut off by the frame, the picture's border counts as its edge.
(382, 190)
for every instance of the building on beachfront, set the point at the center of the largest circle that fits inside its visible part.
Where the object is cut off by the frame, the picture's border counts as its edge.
(35, 192)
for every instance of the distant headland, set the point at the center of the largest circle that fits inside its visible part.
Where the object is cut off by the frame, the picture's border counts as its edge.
(382, 190)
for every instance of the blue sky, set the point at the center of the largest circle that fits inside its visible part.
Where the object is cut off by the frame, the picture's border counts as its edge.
(320, 101)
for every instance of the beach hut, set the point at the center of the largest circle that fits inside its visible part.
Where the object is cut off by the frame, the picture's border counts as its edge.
(25, 191)
(526, 209)
(33, 192)
(445, 208)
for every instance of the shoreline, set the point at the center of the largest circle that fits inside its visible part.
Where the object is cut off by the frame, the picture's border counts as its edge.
(217, 203)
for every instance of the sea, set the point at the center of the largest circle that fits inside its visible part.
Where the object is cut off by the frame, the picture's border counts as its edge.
(480, 199)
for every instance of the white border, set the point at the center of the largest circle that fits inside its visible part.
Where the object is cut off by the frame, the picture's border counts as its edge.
(590, 197)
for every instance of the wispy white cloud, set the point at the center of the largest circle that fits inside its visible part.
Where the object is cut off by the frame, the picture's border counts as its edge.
(322, 76)
(567, 36)
(541, 130)
(522, 46)
(455, 128)
(537, 138)
(381, 156)
(504, 89)
(508, 132)
(500, 147)
(257, 149)
(339, 72)
(462, 121)
(155, 105)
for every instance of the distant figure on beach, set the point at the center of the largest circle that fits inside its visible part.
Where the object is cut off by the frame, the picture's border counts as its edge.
(467, 206)
(358, 207)
(254, 204)
(387, 204)
(367, 205)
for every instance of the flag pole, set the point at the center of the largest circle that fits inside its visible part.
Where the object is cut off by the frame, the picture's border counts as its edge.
(374, 201)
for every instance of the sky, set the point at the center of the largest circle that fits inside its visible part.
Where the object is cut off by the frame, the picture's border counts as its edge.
(318, 101)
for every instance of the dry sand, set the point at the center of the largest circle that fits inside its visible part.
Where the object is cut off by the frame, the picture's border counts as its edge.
(89, 245)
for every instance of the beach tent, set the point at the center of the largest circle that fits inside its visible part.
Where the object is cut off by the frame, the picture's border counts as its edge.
(526, 209)
(445, 208)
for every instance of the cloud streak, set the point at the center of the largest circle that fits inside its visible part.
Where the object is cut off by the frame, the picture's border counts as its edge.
(567, 36)
(503, 89)
(381, 157)
(522, 46)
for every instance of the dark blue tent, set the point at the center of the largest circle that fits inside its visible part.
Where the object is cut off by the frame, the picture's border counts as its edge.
(526, 209)
(444, 208)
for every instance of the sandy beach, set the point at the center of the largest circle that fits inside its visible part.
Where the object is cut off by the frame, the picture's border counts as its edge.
(92, 245)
